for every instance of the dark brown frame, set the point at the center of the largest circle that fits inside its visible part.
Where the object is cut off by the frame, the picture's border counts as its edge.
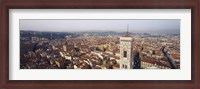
(99, 4)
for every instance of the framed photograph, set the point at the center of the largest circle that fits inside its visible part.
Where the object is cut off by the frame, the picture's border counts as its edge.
(106, 44)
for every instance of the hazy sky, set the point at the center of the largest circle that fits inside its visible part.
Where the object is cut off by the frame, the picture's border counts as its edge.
(135, 26)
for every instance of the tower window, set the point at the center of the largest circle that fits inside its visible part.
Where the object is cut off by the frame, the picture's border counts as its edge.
(125, 66)
(125, 53)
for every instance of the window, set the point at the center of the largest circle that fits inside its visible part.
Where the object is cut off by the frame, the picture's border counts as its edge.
(125, 66)
(125, 54)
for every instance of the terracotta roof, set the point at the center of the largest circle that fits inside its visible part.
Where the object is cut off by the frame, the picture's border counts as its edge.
(175, 56)
(152, 61)
(116, 65)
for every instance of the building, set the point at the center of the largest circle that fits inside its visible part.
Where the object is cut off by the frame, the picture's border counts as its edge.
(126, 52)
(137, 61)
(150, 63)
(64, 48)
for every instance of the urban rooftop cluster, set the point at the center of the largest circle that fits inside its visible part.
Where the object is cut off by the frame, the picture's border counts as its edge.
(51, 50)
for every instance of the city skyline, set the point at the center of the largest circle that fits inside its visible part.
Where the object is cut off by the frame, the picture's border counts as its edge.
(50, 50)
(99, 44)
(168, 26)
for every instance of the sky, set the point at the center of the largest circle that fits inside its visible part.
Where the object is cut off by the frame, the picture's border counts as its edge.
(170, 26)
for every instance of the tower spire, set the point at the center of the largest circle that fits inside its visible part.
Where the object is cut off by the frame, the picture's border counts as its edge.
(127, 30)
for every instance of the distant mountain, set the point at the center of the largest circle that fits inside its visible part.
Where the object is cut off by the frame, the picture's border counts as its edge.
(105, 33)
(49, 35)
(174, 34)
(25, 33)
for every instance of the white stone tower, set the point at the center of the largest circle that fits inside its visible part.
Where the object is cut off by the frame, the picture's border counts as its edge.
(126, 51)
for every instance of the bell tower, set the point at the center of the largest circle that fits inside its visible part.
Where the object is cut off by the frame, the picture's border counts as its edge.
(126, 51)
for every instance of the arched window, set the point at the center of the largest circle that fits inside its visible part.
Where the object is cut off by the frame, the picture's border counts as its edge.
(125, 66)
(125, 54)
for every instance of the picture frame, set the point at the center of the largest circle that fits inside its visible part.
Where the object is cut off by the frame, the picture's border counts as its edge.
(103, 4)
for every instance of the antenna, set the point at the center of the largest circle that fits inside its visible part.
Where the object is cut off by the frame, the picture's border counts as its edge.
(127, 30)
